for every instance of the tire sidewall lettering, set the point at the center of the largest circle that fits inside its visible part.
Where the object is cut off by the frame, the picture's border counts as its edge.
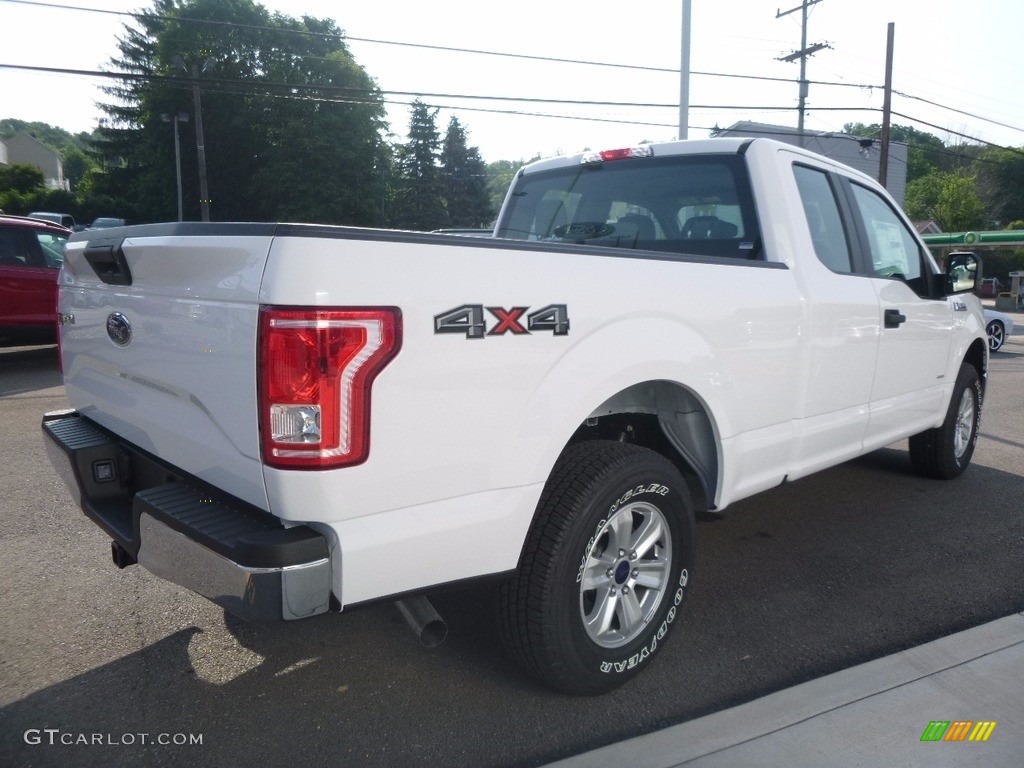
(647, 651)
(657, 488)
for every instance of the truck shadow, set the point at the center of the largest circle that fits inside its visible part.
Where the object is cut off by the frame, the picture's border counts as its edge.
(358, 687)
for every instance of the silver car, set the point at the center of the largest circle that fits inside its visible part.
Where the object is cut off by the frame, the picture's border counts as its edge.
(998, 325)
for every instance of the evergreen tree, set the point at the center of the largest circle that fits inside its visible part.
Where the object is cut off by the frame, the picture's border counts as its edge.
(419, 196)
(464, 180)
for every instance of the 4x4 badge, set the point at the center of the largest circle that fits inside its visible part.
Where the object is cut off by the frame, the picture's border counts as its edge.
(469, 320)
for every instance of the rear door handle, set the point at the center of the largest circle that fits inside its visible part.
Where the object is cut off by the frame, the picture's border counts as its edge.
(894, 318)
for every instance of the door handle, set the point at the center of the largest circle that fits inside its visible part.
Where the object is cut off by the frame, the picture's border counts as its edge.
(894, 318)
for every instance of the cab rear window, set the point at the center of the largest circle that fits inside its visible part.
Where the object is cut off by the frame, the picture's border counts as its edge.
(698, 205)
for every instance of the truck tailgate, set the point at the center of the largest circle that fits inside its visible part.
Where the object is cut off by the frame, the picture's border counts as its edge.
(159, 344)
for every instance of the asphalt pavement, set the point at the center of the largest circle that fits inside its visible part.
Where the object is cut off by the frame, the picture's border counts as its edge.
(956, 701)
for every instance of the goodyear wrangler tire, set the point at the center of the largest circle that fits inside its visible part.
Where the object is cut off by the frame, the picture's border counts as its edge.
(944, 452)
(604, 570)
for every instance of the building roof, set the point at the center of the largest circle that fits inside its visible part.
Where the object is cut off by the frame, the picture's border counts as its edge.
(854, 151)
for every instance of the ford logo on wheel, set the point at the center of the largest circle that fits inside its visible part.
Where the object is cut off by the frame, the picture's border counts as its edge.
(119, 329)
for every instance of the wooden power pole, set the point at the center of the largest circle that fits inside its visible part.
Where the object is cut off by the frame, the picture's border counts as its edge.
(883, 160)
(802, 55)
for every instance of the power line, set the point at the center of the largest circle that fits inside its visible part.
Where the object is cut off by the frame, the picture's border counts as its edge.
(959, 111)
(343, 37)
(365, 96)
(368, 94)
(473, 51)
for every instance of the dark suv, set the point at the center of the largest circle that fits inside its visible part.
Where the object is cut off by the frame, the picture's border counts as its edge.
(31, 253)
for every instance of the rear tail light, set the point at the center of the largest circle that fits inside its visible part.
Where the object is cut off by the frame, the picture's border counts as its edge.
(316, 368)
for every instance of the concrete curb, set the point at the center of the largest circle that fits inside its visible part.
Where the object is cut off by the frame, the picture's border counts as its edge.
(872, 714)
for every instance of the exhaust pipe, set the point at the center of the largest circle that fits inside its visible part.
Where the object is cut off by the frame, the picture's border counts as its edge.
(421, 617)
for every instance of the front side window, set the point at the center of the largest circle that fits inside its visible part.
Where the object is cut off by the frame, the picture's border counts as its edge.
(893, 250)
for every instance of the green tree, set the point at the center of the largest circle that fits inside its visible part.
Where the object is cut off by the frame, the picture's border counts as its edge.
(20, 187)
(925, 153)
(464, 180)
(21, 178)
(77, 165)
(949, 199)
(50, 135)
(1001, 181)
(419, 194)
(500, 174)
(291, 122)
(325, 148)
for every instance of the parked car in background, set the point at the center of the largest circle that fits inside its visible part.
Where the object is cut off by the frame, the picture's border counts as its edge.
(105, 222)
(998, 325)
(990, 287)
(31, 253)
(63, 219)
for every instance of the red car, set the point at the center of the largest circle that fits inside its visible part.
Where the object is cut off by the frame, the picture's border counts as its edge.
(31, 253)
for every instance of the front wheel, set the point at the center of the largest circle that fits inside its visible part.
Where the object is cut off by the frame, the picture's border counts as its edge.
(944, 452)
(604, 570)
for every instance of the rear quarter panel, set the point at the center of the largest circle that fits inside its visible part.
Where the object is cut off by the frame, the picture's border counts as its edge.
(453, 416)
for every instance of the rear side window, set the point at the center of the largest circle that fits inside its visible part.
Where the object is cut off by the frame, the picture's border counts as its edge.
(688, 205)
(823, 219)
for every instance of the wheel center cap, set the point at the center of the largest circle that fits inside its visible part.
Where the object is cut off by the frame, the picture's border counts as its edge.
(621, 572)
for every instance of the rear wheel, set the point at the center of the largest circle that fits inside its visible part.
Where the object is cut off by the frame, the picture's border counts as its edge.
(604, 569)
(945, 452)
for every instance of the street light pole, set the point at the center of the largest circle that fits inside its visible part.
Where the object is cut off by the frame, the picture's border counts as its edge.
(684, 74)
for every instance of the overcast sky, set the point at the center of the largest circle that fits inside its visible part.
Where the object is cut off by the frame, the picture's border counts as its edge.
(962, 56)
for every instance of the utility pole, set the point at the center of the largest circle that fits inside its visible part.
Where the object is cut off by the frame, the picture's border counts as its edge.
(883, 160)
(194, 72)
(684, 75)
(179, 117)
(802, 54)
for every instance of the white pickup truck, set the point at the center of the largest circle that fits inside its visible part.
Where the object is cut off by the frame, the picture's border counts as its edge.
(290, 419)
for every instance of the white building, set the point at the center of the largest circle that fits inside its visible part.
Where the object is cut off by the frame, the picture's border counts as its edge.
(24, 149)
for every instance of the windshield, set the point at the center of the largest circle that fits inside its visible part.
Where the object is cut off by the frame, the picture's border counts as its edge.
(689, 205)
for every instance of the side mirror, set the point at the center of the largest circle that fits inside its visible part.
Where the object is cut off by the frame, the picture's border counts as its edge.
(962, 273)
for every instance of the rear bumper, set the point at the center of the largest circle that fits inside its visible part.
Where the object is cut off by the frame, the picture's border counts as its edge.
(241, 558)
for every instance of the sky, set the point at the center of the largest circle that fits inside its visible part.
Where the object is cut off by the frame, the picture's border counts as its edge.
(956, 65)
